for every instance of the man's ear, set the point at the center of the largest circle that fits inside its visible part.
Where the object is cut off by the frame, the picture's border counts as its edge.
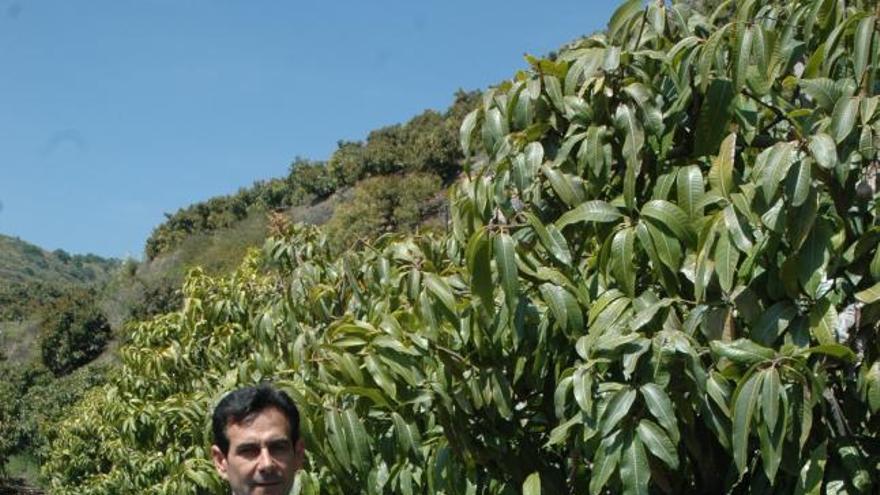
(299, 454)
(219, 460)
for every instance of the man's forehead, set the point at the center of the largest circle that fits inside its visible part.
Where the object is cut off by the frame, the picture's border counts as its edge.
(266, 424)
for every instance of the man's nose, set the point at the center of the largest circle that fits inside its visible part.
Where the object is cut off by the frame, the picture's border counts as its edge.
(265, 460)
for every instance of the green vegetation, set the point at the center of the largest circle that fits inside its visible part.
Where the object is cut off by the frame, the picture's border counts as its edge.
(660, 277)
(73, 332)
(427, 144)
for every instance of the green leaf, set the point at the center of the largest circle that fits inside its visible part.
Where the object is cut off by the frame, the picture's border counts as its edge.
(823, 91)
(501, 395)
(823, 319)
(779, 160)
(812, 472)
(660, 406)
(715, 116)
(634, 470)
(505, 260)
(467, 131)
(671, 217)
(622, 254)
(742, 58)
(441, 291)
(862, 51)
(721, 173)
(837, 351)
(770, 397)
(824, 150)
(742, 351)
(707, 57)
(745, 398)
(872, 383)
(550, 238)
(773, 322)
(726, 259)
(590, 211)
(869, 295)
(844, 118)
(358, 439)
(802, 183)
(657, 442)
(617, 408)
(634, 135)
(479, 254)
(689, 182)
(606, 461)
(493, 130)
(566, 186)
(564, 307)
(624, 13)
(532, 484)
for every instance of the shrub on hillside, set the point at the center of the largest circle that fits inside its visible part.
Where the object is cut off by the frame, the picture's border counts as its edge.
(392, 203)
(73, 332)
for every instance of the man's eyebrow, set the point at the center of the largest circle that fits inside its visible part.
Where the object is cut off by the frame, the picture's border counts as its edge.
(246, 446)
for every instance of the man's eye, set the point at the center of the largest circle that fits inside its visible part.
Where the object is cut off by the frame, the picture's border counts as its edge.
(248, 451)
(280, 448)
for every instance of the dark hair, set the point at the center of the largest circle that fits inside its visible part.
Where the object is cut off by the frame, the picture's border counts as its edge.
(239, 404)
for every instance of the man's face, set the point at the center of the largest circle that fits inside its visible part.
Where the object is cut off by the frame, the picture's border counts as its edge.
(262, 459)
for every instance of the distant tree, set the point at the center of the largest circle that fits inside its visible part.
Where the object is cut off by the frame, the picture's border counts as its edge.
(73, 332)
(384, 204)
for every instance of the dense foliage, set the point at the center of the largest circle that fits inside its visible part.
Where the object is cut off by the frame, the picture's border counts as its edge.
(73, 332)
(426, 144)
(661, 276)
(32, 400)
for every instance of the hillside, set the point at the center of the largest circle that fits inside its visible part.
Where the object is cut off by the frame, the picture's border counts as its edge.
(30, 276)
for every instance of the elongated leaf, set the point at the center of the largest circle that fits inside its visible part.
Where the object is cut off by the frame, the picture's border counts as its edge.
(467, 131)
(715, 116)
(726, 259)
(745, 399)
(824, 150)
(843, 118)
(770, 397)
(501, 395)
(671, 217)
(779, 160)
(863, 36)
(590, 211)
(802, 183)
(505, 260)
(563, 305)
(617, 408)
(479, 255)
(532, 484)
(624, 13)
(550, 238)
(742, 58)
(837, 351)
(657, 442)
(606, 461)
(822, 91)
(869, 295)
(660, 406)
(742, 351)
(441, 291)
(566, 186)
(773, 322)
(823, 319)
(622, 253)
(721, 175)
(689, 191)
(634, 470)
(707, 56)
(634, 135)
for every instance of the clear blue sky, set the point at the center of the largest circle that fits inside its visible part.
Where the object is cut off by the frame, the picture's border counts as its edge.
(113, 112)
